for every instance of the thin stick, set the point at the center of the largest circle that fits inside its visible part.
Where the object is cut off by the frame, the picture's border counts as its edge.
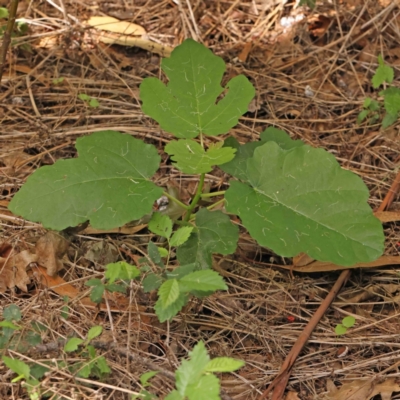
(7, 35)
(278, 385)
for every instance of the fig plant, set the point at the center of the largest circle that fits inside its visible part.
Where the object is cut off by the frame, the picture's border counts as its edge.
(291, 197)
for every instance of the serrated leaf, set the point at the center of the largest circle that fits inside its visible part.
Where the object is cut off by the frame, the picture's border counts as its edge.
(17, 366)
(181, 236)
(161, 225)
(362, 115)
(238, 166)
(154, 254)
(301, 200)
(181, 271)
(151, 282)
(94, 331)
(163, 252)
(187, 107)
(215, 234)
(206, 388)
(93, 282)
(191, 158)
(107, 184)
(38, 371)
(340, 329)
(383, 73)
(168, 292)
(101, 364)
(348, 321)
(224, 364)
(121, 270)
(73, 344)
(388, 120)
(144, 378)
(166, 313)
(391, 100)
(3, 12)
(114, 287)
(12, 313)
(96, 294)
(202, 281)
(189, 372)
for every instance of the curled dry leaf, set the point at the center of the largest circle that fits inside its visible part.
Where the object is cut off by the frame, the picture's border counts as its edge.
(13, 271)
(50, 249)
(364, 390)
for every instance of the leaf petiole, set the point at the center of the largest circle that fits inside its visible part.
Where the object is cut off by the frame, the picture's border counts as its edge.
(216, 204)
(175, 200)
(196, 197)
(205, 195)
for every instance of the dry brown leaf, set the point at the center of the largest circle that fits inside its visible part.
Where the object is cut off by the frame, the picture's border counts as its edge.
(13, 271)
(292, 396)
(111, 24)
(365, 390)
(50, 249)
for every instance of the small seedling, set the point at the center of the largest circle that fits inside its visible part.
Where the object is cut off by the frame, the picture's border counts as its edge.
(195, 377)
(347, 322)
(115, 271)
(95, 365)
(391, 98)
(58, 81)
(94, 103)
(292, 198)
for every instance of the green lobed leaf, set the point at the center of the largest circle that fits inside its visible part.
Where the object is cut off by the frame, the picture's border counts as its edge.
(202, 281)
(94, 331)
(94, 282)
(101, 364)
(215, 234)
(391, 100)
(144, 378)
(224, 364)
(168, 292)
(12, 313)
(388, 120)
(301, 200)
(151, 282)
(166, 313)
(190, 371)
(73, 344)
(180, 236)
(238, 166)
(191, 158)
(383, 73)
(17, 366)
(187, 106)
(107, 184)
(174, 395)
(115, 287)
(163, 252)
(121, 270)
(206, 388)
(348, 321)
(161, 225)
(340, 329)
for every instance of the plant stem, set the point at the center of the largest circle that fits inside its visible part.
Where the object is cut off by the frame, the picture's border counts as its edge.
(215, 204)
(205, 195)
(175, 200)
(196, 197)
(7, 35)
